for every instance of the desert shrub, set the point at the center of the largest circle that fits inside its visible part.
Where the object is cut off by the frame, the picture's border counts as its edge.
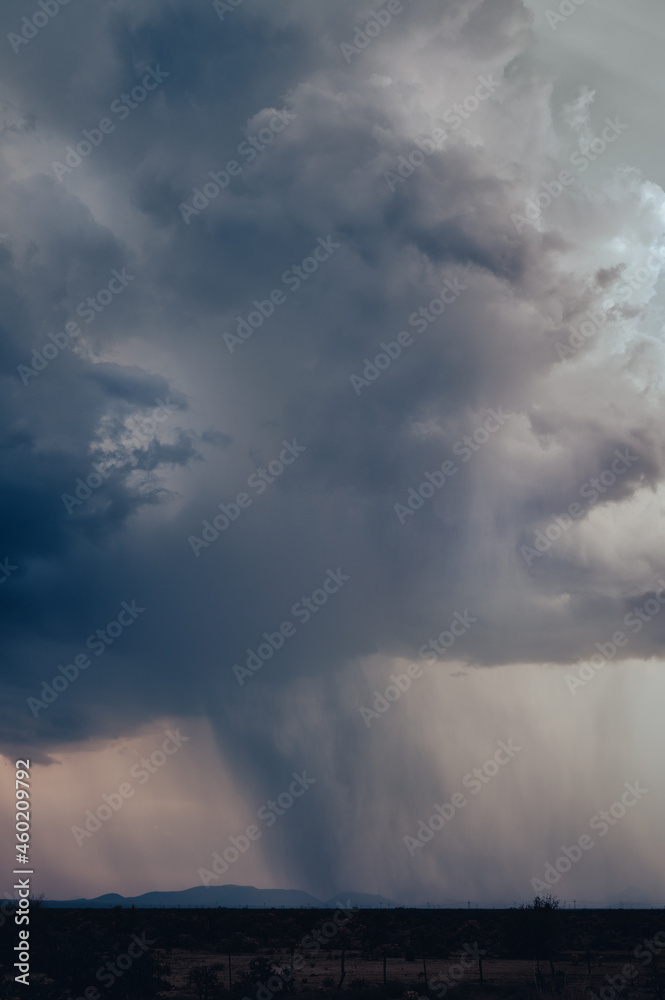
(204, 981)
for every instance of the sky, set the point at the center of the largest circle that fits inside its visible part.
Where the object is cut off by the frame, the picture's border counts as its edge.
(332, 452)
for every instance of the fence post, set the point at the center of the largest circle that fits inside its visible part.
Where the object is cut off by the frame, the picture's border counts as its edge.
(342, 972)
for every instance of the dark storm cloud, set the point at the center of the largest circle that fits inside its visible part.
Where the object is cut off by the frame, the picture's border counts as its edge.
(321, 178)
(131, 384)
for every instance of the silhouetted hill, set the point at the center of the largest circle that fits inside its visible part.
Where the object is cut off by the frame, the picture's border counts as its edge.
(233, 896)
(241, 896)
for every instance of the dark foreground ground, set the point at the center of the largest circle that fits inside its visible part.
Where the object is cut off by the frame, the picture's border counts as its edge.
(400, 954)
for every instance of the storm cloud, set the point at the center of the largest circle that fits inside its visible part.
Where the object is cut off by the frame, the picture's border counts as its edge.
(380, 265)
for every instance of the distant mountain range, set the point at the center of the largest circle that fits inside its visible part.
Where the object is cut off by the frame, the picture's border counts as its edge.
(240, 896)
(232, 896)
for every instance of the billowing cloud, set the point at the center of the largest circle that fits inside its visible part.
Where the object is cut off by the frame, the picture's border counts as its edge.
(338, 299)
